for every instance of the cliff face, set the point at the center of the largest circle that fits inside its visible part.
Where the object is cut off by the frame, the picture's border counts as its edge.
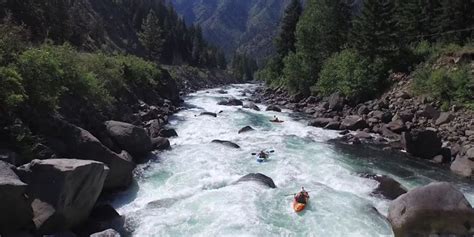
(87, 24)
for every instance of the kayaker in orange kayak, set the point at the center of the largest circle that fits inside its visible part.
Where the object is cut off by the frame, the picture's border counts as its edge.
(300, 200)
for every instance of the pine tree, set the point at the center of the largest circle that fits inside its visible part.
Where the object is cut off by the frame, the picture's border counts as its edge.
(453, 19)
(152, 36)
(221, 60)
(286, 40)
(375, 31)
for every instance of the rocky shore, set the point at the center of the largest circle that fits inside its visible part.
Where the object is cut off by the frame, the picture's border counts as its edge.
(82, 157)
(397, 120)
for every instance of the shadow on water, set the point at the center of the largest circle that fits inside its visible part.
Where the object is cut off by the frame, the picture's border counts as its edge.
(368, 159)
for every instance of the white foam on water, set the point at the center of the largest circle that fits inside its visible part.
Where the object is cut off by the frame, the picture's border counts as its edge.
(195, 181)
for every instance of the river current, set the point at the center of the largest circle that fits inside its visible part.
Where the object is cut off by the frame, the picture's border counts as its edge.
(192, 192)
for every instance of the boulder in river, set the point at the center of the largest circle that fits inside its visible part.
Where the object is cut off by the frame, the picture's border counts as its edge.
(160, 143)
(336, 101)
(129, 137)
(168, 132)
(106, 233)
(422, 143)
(246, 129)
(231, 102)
(209, 114)
(251, 105)
(63, 191)
(258, 177)
(388, 187)
(273, 108)
(464, 164)
(226, 143)
(438, 208)
(102, 217)
(15, 210)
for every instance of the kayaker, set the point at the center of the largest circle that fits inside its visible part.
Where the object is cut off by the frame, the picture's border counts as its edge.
(263, 155)
(275, 119)
(302, 196)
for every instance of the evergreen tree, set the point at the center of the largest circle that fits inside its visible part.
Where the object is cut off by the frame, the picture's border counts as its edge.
(221, 60)
(321, 31)
(286, 40)
(454, 19)
(375, 31)
(152, 36)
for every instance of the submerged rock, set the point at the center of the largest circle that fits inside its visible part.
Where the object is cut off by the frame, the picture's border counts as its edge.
(258, 177)
(226, 143)
(168, 132)
(438, 208)
(251, 105)
(208, 114)
(246, 129)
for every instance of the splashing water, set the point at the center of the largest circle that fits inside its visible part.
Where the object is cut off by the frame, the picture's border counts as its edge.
(191, 191)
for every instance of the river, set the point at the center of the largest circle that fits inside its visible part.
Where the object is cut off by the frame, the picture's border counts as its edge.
(193, 187)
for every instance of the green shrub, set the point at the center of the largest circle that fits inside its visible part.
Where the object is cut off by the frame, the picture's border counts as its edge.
(352, 75)
(271, 73)
(52, 71)
(450, 86)
(297, 74)
(12, 93)
(13, 40)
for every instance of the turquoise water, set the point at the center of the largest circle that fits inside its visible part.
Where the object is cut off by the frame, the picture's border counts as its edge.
(193, 183)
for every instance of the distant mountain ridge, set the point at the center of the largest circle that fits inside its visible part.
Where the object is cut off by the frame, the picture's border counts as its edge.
(247, 26)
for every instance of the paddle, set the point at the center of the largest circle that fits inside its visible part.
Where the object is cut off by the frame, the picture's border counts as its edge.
(295, 194)
(270, 151)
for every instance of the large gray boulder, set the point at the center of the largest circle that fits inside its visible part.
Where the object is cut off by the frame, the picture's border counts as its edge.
(83, 145)
(320, 122)
(129, 137)
(15, 210)
(259, 178)
(422, 143)
(251, 105)
(230, 102)
(354, 122)
(336, 101)
(435, 209)
(388, 187)
(63, 191)
(464, 164)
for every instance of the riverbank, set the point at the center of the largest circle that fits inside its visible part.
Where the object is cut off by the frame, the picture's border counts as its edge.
(397, 120)
(88, 154)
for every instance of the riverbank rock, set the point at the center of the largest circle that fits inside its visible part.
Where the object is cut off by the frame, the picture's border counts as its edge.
(129, 137)
(320, 122)
(438, 208)
(230, 102)
(102, 217)
(422, 143)
(106, 233)
(208, 114)
(226, 143)
(257, 177)
(246, 129)
(354, 122)
(15, 210)
(464, 164)
(167, 132)
(273, 108)
(160, 143)
(63, 191)
(388, 187)
(251, 105)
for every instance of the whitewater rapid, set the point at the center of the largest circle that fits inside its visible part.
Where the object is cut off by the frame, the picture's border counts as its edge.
(192, 188)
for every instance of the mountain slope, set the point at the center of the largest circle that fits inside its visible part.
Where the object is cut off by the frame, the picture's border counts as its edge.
(247, 26)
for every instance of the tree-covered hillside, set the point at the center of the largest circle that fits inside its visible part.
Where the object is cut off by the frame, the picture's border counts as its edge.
(246, 26)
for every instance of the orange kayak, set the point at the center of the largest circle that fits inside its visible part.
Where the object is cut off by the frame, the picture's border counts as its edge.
(298, 207)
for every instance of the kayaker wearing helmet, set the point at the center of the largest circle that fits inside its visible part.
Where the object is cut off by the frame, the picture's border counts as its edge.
(302, 196)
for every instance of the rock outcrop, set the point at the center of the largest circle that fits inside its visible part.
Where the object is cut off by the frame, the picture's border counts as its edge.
(129, 137)
(422, 143)
(438, 208)
(226, 143)
(15, 210)
(63, 191)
